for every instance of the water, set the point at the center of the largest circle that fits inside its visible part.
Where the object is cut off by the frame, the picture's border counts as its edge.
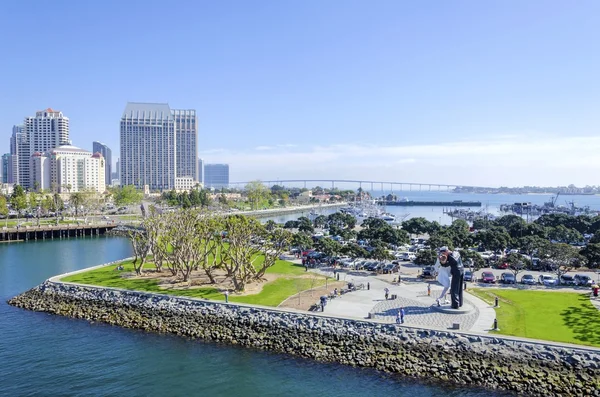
(489, 202)
(41, 354)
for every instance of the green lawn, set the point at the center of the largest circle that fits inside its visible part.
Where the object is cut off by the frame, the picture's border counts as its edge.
(272, 294)
(556, 316)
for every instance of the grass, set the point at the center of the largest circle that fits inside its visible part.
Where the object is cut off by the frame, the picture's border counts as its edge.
(554, 316)
(272, 293)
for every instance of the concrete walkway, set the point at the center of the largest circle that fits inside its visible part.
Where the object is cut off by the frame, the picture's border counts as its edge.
(413, 296)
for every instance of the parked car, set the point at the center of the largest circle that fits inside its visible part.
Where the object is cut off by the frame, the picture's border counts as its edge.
(547, 280)
(507, 278)
(583, 280)
(469, 276)
(567, 279)
(390, 268)
(528, 279)
(428, 272)
(488, 277)
(503, 265)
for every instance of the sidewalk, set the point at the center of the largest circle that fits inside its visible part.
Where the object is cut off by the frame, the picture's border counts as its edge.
(371, 303)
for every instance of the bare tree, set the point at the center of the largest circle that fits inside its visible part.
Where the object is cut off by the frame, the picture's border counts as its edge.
(141, 248)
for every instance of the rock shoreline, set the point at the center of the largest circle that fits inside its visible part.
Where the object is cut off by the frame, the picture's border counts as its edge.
(525, 368)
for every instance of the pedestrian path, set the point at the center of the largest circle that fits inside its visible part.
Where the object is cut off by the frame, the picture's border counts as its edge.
(371, 303)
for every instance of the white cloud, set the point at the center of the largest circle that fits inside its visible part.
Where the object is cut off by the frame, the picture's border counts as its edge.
(509, 160)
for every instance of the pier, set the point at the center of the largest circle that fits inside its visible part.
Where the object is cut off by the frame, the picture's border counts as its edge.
(49, 232)
(411, 203)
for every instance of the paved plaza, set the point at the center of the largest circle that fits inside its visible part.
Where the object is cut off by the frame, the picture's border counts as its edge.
(370, 302)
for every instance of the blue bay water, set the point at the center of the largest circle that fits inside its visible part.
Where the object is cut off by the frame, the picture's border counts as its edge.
(489, 202)
(47, 355)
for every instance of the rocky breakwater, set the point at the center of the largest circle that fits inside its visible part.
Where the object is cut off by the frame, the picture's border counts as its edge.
(526, 368)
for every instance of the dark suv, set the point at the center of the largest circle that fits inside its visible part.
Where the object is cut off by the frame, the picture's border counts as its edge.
(428, 272)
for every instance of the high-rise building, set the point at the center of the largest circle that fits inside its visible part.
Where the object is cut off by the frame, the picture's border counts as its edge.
(216, 175)
(200, 170)
(46, 130)
(98, 147)
(157, 145)
(117, 173)
(68, 169)
(19, 152)
(186, 130)
(4, 173)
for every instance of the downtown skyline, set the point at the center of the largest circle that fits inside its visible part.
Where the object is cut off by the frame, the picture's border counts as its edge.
(462, 93)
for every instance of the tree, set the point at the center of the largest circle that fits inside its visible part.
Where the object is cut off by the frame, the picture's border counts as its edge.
(516, 263)
(141, 248)
(18, 199)
(563, 234)
(440, 239)
(320, 221)
(477, 260)
(126, 195)
(3, 206)
(495, 239)
(305, 225)
(257, 192)
(291, 225)
(591, 252)
(381, 254)
(77, 200)
(417, 225)
(354, 251)
(375, 229)
(302, 241)
(270, 225)
(328, 246)
(426, 257)
(561, 258)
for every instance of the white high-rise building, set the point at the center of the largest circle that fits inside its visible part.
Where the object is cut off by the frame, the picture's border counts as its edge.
(157, 145)
(186, 130)
(68, 169)
(46, 130)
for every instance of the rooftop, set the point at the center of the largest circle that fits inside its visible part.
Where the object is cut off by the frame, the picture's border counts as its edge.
(147, 110)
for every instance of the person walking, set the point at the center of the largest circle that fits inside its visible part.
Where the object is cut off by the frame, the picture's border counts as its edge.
(402, 313)
(398, 318)
(387, 293)
(226, 296)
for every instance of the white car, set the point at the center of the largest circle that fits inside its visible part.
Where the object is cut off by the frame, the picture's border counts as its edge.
(547, 280)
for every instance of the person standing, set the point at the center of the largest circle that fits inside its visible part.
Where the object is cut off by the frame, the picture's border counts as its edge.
(226, 296)
(387, 293)
(401, 313)
(398, 318)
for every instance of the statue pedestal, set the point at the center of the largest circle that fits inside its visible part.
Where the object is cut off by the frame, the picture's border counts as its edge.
(466, 308)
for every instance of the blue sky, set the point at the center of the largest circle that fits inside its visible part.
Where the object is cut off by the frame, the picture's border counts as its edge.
(471, 92)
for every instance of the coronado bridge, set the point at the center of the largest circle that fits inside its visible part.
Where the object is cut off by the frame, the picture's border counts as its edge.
(363, 184)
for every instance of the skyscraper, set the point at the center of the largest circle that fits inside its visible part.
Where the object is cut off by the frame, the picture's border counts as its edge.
(98, 147)
(186, 142)
(200, 170)
(216, 175)
(47, 130)
(157, 145)
(18, 167)
(4, 172)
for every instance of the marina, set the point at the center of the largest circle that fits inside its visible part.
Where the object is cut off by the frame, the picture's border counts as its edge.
(414, 203)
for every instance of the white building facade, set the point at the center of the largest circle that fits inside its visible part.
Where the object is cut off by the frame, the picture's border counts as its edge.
(157, 145)
(69, 169)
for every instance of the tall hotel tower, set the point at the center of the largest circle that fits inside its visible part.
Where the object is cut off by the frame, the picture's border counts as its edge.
(47, 130)
(157, 145)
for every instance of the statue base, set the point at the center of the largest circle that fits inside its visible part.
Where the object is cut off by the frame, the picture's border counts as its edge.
(466, 308)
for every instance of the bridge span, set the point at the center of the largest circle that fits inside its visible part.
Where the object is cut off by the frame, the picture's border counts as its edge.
(364, 184)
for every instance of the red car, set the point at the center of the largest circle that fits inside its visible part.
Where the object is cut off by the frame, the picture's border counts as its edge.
(488, 277)
(503, 266)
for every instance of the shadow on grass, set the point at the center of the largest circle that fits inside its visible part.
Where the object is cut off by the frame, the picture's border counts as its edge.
(584, 321)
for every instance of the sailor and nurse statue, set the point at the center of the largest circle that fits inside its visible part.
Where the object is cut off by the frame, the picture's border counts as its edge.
(450, 271)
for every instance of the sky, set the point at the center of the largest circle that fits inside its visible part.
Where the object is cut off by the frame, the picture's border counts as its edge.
(485, 93)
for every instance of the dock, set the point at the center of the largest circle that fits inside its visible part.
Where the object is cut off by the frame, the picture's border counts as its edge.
(52, 232)
(412, 203)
